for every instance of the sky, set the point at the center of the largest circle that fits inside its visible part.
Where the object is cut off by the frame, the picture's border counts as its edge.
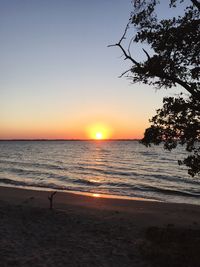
(58, 78)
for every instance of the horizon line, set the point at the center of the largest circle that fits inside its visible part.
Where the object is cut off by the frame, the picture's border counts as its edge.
(71, 139)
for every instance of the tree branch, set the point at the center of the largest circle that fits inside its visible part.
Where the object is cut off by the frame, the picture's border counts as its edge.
(182, 83)
(165, 76)
(148, 56)
(127, 56)
(159, 73)
(50, 197)
(124, 73)
(196, 3)
(124, 34)
(129, 46)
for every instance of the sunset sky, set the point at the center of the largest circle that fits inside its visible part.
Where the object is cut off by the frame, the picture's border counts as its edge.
(58, 78)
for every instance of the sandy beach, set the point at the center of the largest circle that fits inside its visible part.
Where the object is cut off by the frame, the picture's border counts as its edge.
(94, 231)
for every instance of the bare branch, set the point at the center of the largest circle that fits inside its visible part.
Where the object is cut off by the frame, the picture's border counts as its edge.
(50, 197)
(124, 35)
(112, 45)
(129, 46)
(148, 56)
(127, 55)
(124, 73)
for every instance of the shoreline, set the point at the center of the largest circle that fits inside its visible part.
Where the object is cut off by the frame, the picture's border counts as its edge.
(63, 199)
(83, 193)
(93, 194)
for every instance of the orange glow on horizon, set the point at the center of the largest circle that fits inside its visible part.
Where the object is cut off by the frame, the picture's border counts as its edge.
(77, 129)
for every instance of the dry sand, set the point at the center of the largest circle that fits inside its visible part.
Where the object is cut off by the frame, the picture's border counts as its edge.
(81, 230)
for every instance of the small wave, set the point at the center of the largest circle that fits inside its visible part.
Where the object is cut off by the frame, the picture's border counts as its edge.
(146, 188)
(148, 154)
(171, 178)
(25, 172)
(30, 184)
(106, 172)
(86, 182)
(34, 165)
(12, 182)
(119, 184)
(168, 191)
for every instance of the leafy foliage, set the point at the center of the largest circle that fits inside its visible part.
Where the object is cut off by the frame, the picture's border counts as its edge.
(177, 122)
(173, 58)
(176, 46)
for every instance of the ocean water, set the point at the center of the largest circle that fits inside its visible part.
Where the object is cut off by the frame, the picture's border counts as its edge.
(120, 168)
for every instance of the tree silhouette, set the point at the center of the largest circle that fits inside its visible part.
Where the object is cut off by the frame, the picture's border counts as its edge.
(172, 59)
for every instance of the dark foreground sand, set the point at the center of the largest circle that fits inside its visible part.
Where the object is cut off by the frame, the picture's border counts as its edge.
(89, 231)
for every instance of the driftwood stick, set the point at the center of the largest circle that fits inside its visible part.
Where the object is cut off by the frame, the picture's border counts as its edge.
(50, 197)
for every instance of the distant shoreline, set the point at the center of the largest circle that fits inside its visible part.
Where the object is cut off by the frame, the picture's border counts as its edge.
(96, 140)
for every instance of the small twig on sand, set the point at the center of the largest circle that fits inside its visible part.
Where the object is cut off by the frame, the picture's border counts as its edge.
(50, 197)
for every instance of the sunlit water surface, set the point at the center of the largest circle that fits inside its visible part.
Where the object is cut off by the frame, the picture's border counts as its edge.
(122, 168)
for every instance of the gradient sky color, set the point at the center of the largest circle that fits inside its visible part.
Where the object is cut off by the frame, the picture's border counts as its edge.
(57, 75)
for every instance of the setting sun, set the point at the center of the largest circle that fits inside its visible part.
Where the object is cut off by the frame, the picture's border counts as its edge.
(99, 131)
(99, 135)
(96, 195)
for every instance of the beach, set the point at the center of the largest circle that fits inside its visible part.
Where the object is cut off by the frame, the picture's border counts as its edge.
(84, 230)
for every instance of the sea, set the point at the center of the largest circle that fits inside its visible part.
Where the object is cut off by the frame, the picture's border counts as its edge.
(124, 169)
